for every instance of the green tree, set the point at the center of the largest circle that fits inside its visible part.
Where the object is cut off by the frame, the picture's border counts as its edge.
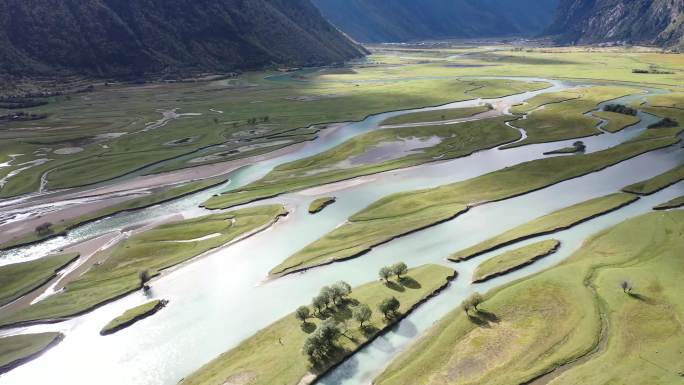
(399, 269)
(389, 306)
(319, 303)
(302, 313)
(339, 291)
(326, 294)
(385, 273)
(362, 314)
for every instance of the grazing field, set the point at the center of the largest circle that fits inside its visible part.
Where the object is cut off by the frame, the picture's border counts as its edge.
(132, 316)
(134, 204)
(574, 318)
(616, 121)
(374, 152)
(320, 204)
(436, 116)
(152, 251)
(19, 349)
(403, 213)
(558, 220)
(119, 129)
(20, 279)
(567, 119)
(514, 259)
(273, 355)
(673, 204)
(657, 183)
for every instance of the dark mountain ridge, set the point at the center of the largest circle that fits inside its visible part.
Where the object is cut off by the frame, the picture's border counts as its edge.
(140, 37)
(653, 22)
(375, 21)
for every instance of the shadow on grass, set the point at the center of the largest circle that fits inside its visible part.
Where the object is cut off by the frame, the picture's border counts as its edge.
(369, 330)
(641, 297)
(410, 283)
(395, 286)
(483, 318)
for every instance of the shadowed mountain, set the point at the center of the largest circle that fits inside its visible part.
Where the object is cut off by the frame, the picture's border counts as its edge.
(657, 22)
(141, 37)
(405, 20)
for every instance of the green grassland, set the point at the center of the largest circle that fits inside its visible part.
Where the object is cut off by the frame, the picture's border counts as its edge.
(406, 212)
(567, 119)
(153, 250)
(551, 223)
(273, 355)
(436, 116)
(19, 349)
(134, 204)
(657, 183)
(319, 204)
(573, 316)
(85, 120)
(131, 316)
(19, 279)
(673, 204)
(543, 100)
(616, 121)
(336, 164)
(514, 259)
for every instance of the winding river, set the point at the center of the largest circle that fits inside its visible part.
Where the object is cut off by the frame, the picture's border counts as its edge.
(220, 299)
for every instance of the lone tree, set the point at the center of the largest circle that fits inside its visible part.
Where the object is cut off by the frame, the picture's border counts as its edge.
(399, 269)
(144, 276)
(475, 300)
(385, 273)
(389, 306)
(626, 286)
(302, 313)
(44, 228)
(362, 314)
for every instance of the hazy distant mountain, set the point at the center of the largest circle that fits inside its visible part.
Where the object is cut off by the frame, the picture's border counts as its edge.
(659, 22)
(405, 20)
(133, 37)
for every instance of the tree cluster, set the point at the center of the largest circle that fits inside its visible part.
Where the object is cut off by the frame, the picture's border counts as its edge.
(663, 123)
(620, 109)
(398, 269)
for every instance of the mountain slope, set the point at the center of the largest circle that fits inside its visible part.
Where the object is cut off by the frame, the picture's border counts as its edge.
(404, 20)
(133, 37)
(659, 22)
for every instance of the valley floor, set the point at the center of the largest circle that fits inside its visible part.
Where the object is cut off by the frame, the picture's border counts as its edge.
(232, 202)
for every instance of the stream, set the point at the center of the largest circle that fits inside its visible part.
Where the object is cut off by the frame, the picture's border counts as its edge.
(221, 298)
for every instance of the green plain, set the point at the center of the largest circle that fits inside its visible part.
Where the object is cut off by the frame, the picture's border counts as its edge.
(436, 115)
(19, 279)
(153, 250)
(574, 316)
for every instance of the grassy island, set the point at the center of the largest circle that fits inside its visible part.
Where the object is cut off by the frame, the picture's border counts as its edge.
(673, 204)
(20, 279)
(274, 355)
(320, 204)
(436, 115)
(132, 316)
(657, 183)
(547, 224)
(19, 349)
(514, 259)
(609, 312)
(616, 121)
(153, 251)
(403, 213)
